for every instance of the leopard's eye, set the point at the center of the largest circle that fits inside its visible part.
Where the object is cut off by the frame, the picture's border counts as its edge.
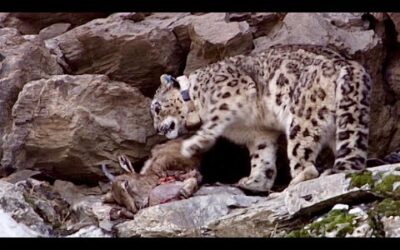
(157, 108)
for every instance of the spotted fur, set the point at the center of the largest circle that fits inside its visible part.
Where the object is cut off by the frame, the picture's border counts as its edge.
(311, 93)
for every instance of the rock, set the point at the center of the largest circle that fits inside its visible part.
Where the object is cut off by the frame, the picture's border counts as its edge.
(67, 126)
(275, 217)
(386, 128)
(33, 22)
(351, 21)
(87, 204)
(18, 217)
(134, 52)
(33, 208)
(209, 190)
(20, 62)
(133, 16)
(73, 193)
(229, 215)
(380, 16)
(31, 38)
(261, 23)
(358, 212)
(20, 176)
(11, 228)
(395, 17)
(393, 74)
(90, 232)
(393, 157)
(341, 207)
(54, 30)
(210, 45)
(336, 223)
(182, 218)
(50, 206)
(391, 226)
(238, 16)
(317, 28)
(362, 230)
(178, 23)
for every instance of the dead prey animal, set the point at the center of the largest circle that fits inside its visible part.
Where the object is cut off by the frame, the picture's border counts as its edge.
(165, 176)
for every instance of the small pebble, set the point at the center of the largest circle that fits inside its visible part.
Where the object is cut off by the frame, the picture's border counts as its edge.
(341, 207)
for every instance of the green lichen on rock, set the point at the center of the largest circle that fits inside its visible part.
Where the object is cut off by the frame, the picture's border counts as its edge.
(29, 200)
(386, 184)
(336, 221)
(361, 179)
(388, 207)
(301, 233)
(383, 186)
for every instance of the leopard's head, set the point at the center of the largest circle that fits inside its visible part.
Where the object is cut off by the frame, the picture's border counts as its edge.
(168, 109)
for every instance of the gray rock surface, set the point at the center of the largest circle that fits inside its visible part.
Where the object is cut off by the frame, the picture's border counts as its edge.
(134, 52)
(80, 121)
(21, 61)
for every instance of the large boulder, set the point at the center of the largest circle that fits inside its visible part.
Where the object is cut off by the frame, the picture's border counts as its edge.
(390, 96)
(21, 61)
(214, 39)
(67, 126)
(132, 51)
(395, 17)
(177, 22)
(323, 29)
(261, 23)
(33, 22)
(54, 30)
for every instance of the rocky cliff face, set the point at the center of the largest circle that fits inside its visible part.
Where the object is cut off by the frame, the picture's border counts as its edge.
(75, 90)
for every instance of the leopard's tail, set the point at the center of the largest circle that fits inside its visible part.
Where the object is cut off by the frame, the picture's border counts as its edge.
(353, 90)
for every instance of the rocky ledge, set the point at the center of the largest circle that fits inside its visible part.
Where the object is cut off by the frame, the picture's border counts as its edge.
(340, 205)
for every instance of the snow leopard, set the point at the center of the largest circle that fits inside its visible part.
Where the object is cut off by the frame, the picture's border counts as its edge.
(313, 94)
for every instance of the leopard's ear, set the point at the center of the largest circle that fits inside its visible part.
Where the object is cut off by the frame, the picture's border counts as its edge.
(169, 81)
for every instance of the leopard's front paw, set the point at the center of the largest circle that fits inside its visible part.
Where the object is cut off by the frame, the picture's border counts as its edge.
(255, 184)
(189, 148)
(308, 173)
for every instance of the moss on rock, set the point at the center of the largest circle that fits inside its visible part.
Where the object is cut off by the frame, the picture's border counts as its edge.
(301, 233)
(361, 179)
(382, 186)
(386, 184)
(336, 221)
(388, 207)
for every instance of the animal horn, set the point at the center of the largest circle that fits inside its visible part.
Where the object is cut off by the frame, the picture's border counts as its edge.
(106, 173)
(126, 164)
